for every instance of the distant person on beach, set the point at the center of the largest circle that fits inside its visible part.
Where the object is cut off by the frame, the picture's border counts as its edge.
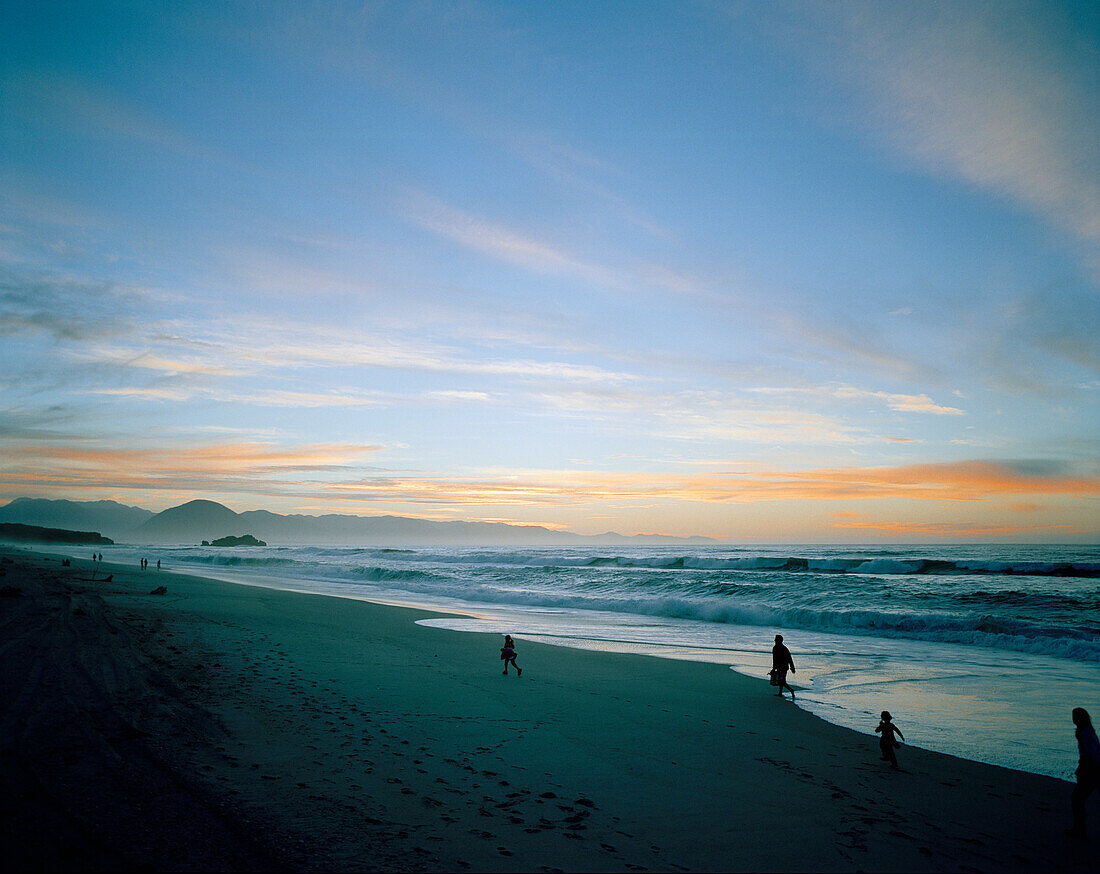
(158, 564)
(887, 744)
(1088, 769)
(508, 654)
(781, 663)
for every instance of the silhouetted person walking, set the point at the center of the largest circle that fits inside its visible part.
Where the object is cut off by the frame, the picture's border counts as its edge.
(1088, 769)
(887, 744)
(508, 654)
(781, 663)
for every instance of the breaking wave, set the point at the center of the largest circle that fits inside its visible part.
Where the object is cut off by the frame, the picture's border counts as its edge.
(229, 560)
(1038, 600)
(856, 565)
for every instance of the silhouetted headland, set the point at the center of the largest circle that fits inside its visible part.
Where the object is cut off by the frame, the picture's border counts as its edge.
(15, 532)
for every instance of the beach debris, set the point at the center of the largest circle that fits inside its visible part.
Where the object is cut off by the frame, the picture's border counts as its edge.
(159, 590)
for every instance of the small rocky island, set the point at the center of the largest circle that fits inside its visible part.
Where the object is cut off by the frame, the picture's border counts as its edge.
(243, 540)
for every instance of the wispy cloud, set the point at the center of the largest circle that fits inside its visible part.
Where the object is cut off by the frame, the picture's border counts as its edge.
(254, 345)
(903, 403)
(172, 366)
(398, 353)
(504, 243)
(209, 467)
(264, 397)
(539, 255)
(851, 347)
(64, 307)
(24, 207)
(346, 39)
(963, 481)
(581, 170)
(77, 104)
(981, 92)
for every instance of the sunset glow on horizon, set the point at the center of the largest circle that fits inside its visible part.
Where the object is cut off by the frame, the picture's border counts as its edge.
(806, 272)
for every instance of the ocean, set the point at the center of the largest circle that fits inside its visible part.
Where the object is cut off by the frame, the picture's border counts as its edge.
(979, 651)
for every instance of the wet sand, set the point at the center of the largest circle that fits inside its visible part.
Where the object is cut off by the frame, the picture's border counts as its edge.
(226, 727)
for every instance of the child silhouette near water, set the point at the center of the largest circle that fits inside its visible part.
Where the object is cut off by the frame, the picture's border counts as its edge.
(508, 654)
(887, 743)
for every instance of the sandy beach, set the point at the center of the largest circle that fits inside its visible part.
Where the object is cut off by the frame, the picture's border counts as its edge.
(227, 727)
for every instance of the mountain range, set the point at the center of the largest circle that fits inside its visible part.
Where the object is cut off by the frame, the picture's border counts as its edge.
(195, 521)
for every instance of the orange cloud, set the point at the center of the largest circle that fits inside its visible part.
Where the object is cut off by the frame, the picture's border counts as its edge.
(964, 481)
(324, 474)
(208, 467)
(953, 481)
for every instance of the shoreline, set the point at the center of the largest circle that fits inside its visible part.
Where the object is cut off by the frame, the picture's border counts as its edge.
(331, 733)
(948, 724)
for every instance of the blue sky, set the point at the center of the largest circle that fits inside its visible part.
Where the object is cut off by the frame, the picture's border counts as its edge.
(806, 271)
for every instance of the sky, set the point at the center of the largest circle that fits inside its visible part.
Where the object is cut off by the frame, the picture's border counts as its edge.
(803, 272)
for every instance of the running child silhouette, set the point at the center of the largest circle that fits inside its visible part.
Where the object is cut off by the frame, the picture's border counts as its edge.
(886, 743)
(508, 655)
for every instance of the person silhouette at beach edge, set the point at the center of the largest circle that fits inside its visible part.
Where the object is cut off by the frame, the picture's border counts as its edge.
(781, 663)
(1088, 770)
(508, 654)
(887, 743)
